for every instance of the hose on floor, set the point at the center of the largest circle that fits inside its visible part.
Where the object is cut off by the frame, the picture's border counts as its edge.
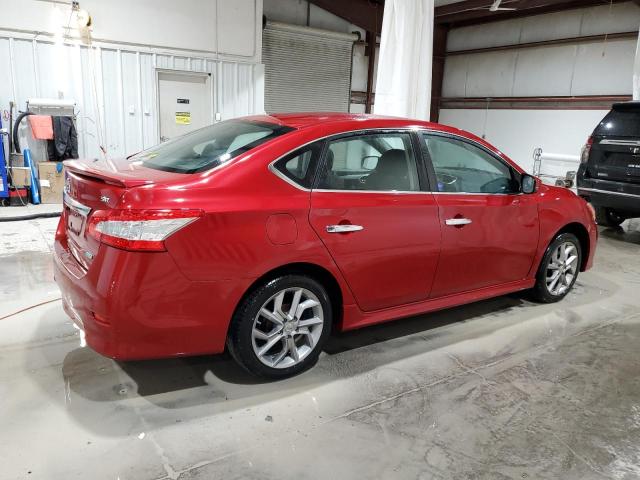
(33, 216)
(29, 308)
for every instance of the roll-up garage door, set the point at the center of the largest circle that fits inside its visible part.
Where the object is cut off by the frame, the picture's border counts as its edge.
(306, 69)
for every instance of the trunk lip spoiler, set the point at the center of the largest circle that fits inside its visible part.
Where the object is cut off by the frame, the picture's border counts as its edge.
(74, 166)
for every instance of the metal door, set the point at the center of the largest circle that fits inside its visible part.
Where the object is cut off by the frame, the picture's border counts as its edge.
(184, 102)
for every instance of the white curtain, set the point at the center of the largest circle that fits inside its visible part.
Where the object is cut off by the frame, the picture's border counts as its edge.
(403, 84)
(636, 73)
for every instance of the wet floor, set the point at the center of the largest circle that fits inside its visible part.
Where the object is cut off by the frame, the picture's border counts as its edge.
(502, 389)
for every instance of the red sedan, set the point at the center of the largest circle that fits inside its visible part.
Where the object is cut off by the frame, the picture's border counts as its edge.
(264, 234)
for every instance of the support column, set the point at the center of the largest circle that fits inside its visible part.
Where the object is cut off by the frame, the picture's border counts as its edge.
(440, 33)
(370, 52)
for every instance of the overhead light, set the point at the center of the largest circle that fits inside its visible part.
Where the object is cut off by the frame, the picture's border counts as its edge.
(496, 6)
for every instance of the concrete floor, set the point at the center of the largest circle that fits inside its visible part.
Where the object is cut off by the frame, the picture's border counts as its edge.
(500, 389)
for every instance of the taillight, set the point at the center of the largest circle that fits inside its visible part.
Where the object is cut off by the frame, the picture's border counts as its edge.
(584, 155)
(144, 230)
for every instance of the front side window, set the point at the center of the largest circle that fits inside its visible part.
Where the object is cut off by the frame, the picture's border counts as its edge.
(465, 168)
(209, 147)
(379, 162)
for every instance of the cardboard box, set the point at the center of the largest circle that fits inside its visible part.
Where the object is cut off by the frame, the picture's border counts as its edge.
(21, 176)
(51, 182)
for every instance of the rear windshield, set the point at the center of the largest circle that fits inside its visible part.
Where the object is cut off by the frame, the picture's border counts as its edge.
(209, 147)
(622, 121)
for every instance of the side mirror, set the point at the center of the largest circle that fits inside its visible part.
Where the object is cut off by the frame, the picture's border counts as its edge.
(370, 162)
(527, 184)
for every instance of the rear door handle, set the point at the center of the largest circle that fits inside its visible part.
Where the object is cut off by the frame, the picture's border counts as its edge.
(344, 228)
(457, 221)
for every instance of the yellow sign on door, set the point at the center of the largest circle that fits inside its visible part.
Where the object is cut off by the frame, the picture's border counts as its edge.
(183, 118)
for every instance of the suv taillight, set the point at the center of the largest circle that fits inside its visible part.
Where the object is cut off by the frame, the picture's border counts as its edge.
(141, 230)
(584, 155)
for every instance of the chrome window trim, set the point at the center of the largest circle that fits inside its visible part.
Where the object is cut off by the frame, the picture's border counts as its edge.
(624, 143)
(281, 175)
(418, 129)
(384, 192)
(597, 190)
(513, 194)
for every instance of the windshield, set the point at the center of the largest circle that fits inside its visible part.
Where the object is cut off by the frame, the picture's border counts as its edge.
(209, 147)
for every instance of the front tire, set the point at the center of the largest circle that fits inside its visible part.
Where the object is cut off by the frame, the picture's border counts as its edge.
(559, 269)
(608, 217)
(279, 329)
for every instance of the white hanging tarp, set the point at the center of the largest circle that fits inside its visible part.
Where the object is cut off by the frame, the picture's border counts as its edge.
(636, 73)
(403, 84)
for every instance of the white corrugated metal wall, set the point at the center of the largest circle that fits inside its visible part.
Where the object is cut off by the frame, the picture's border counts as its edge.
(581, 68)
(123, 97)
(598, 67)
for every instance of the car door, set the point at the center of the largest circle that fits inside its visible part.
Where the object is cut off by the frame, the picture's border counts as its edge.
(371, 209)
(489, 229)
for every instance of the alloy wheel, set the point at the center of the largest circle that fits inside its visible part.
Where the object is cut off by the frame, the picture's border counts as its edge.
(562, 268)
(287, 327)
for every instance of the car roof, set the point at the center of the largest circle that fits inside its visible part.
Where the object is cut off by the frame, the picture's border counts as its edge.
(335, 122)
(354, 121)
(308, 119)
(632, 105)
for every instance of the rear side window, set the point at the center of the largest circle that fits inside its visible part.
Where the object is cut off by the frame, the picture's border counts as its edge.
(209, 147)
(381, 162)
(300, 166)
(622, 121)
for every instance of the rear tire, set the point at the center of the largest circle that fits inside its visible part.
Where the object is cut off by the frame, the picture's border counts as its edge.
(608, 217)
(558, 269)
(279, 329)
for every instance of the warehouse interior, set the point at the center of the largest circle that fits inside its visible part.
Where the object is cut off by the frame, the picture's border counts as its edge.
(504, 388)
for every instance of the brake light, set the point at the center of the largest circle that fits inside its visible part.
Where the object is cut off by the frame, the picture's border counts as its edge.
(584, 155)
(141, 230)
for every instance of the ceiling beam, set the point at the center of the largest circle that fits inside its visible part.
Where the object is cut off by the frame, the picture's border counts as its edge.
(365, 14)
(469, 12)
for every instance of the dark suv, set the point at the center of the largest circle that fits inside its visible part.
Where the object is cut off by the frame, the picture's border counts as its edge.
(609, 173)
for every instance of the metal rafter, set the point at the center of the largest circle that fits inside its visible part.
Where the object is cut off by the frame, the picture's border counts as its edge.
(469, 12)
(366, 14)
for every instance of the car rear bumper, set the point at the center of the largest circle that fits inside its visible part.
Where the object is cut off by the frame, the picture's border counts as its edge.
(621, 196)
(136, 305)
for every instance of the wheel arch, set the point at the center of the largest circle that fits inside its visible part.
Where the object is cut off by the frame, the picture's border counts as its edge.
(317, 272)
(581, 232)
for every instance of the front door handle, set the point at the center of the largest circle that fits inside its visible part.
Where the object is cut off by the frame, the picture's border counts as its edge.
(456, 222)
(344, 228)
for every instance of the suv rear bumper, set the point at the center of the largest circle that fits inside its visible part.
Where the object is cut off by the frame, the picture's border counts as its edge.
(621, 196)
